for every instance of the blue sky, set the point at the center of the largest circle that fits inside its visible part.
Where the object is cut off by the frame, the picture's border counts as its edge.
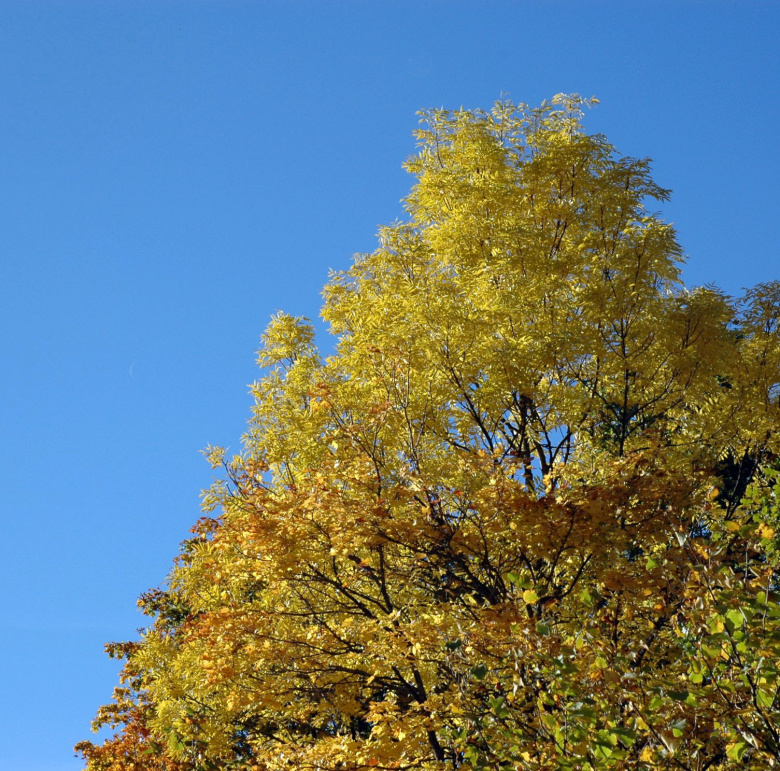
(174, 172)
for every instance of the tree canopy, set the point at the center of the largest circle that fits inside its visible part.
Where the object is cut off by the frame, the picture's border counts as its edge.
(524, 516)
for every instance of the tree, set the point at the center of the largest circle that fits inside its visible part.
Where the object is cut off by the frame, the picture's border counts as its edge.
(524, 517)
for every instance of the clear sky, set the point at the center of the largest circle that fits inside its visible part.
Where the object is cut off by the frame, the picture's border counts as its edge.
(174, 172)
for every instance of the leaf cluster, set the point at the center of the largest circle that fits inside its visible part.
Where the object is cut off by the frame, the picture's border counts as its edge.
(525, 516)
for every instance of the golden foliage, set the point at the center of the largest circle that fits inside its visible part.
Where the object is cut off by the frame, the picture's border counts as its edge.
(524, 517)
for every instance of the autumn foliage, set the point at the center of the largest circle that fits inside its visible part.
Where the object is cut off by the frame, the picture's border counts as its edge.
(524, 517)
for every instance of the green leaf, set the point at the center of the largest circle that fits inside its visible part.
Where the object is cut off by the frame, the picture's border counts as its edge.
(626, 735)
(655, 703)
(736, 618)
(678, 728)
(737, 750)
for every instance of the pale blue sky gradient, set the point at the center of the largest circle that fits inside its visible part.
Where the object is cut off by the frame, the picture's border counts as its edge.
(174, 172)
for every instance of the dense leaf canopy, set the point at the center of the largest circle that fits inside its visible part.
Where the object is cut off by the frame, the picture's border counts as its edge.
(523, 517)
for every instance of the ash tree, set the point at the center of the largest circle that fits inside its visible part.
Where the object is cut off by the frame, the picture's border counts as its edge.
(524, 517)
